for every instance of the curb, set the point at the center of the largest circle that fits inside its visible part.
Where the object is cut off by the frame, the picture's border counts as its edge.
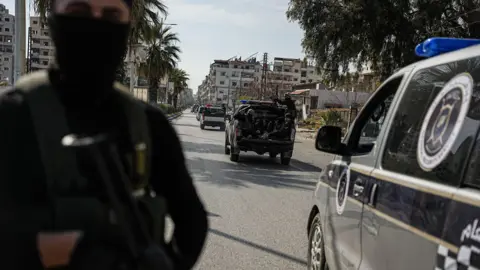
(174, 116)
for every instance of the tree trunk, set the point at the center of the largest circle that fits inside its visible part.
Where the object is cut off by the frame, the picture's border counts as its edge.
(152, 91)
(175, 100)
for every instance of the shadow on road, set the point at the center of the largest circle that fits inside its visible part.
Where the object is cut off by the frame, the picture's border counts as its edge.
(260, 247)
(266, 172)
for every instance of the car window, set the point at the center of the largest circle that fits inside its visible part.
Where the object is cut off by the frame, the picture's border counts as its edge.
(214, 111)
(433, 129)
(372, 118)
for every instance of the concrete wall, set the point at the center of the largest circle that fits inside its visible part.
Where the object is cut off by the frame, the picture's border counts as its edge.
(345, 99)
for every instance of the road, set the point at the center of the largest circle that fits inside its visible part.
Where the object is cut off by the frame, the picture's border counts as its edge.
(257, 208)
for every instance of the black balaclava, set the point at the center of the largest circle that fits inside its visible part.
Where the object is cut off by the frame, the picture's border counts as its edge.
(88, 50)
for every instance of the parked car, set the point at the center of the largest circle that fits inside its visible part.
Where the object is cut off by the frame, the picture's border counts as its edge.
(403, 188)
(213, 117)
(261, 127)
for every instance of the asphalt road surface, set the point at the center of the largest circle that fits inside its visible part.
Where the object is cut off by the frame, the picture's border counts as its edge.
(258, 208)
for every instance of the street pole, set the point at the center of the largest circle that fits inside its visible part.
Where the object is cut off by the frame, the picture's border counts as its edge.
(19, 39)
(228, 92)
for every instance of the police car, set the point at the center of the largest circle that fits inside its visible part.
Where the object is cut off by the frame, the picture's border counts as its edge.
(408, 195)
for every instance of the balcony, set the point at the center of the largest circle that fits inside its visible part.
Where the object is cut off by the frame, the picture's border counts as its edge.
(39, 66)
(43, 46)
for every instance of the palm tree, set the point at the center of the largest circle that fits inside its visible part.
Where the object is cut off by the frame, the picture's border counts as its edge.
(179, 77)
(162, 58)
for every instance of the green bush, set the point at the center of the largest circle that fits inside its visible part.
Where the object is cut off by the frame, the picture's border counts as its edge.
(168, 109)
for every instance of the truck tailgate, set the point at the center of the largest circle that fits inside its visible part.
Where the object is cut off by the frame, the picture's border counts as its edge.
(214, 119)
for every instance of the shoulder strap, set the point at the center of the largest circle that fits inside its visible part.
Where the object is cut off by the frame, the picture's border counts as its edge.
(139, 134)
(50, 124)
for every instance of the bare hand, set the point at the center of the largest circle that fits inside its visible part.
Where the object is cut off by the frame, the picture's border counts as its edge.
(56, 248)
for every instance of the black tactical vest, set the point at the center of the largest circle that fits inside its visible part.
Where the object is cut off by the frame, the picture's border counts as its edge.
(60, 164)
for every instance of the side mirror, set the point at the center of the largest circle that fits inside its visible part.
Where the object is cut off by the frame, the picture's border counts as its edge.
(329, 140)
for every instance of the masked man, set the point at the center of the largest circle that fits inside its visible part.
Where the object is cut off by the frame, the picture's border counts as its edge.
(79, 95)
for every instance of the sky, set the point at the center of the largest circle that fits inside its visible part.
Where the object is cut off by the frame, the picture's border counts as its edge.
(221, 29)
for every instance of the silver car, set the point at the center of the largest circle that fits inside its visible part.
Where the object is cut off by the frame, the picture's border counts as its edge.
(406, 193)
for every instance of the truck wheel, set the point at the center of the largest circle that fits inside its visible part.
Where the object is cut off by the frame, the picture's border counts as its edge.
(233, 157)
(284, 160)
(202, 126)
(272, 155)
(227, 150)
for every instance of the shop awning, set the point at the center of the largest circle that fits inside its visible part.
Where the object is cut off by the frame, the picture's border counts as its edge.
(298, 92)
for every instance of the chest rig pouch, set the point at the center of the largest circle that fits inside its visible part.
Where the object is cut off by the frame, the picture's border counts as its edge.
(60, 163)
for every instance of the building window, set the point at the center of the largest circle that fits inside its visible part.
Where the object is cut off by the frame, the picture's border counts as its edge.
(6, 59)
(245, 84)
(296, 70)
(310, 80)
(295, 79)
(45, 62)
(7, 29)
(222, 82)
(35, 22)
(235, 66)
(223, 73)
(45, 53)
(234, 83)
(287, 70)
(45, 43)
(7, 19)
(5, 68)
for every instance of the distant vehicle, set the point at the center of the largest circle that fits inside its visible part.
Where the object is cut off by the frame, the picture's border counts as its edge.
(200, 111)
(194, 108)
(261, 127)
(213, 117)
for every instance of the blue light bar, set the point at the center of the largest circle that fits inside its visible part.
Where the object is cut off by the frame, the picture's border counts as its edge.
(243, 101)
(438, 45)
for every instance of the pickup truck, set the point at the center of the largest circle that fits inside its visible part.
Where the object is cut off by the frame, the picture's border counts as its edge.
(261, 127)
(213, 117)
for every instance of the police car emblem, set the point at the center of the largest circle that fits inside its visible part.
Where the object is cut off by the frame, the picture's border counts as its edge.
(342, 190)
(443, 121)
(468, 255)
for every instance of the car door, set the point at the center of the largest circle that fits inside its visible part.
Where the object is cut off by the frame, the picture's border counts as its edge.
(419, 170)
(350, 181)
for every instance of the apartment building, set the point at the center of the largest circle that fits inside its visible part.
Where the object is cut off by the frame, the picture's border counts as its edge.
(42, 50)
(7, 35)
(287, 72)
(231, 79)
(228, 80)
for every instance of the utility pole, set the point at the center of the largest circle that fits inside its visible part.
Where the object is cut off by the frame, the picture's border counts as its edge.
(263, 87)
(19, 39)
(228, 92)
